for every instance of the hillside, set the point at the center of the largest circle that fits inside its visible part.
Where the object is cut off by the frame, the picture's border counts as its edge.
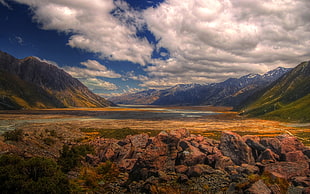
(286, 99)
(232, 92)
(30, 83)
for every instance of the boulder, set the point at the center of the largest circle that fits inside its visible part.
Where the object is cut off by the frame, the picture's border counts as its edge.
(233, 146)
(259, 187)
(199, 169)
(301, 181)
(183, 178)
(254, 144)
(138, 141)
(179, 133)
(306, 152)
(295, 156)
(91, 159)
(190, 155)
(267, 156)
(273, 144)
(288, 169)
(222, 162)
(127, 164)
(181, 169)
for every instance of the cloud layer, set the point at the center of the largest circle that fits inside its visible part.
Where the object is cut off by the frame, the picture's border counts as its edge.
(211, 40)
(207, 41)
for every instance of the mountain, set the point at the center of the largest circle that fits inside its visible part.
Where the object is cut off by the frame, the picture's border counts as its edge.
(232, 92)
(287, 99)
(31, 83)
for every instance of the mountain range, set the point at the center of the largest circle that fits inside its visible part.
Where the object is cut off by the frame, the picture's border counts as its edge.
(288, 98)
(32, 83)
(231, 92)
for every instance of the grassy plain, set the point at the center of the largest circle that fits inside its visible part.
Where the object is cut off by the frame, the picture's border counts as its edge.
(82, 124)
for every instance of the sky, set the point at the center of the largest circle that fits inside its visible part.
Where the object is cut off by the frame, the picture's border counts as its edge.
(120, 46)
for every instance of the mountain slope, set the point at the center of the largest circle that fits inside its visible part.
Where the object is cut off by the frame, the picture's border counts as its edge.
(286, 99)
(231, 92)
(31, 83)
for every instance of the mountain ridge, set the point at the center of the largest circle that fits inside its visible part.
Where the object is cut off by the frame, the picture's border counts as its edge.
(287, 99)
(231, 92)
(52, 87)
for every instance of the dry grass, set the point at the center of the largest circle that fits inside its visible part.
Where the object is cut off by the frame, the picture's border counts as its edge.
(211, 125)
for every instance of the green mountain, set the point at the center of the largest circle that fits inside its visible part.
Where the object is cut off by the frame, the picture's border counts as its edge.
(287, 99)
(31, 83)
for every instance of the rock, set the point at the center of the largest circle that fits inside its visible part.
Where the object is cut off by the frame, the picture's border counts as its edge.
(163, 177)
(275, 189)
(295, 156)
(234, 147)
(91, 159)
(199, 169)
(256, 147)
(248, 169)
(109, 152)
(182, 178)
(179, 133)
(138, 141)
(289, 144)
(307, 152)
(273, 144)
(259, 187)
(127, 164)
(301, 181)
(181, 169)
(267, 156)
(288, 169)
(190, 155)
(222, 162)
(306, 190)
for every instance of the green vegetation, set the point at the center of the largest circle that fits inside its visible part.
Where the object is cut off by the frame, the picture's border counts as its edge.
(14, 135)
(269, 179)
(288, 99)
(95, 179)
(49, 141)
(71, 157)
(35, 175)
(296, 111)
(117, 133)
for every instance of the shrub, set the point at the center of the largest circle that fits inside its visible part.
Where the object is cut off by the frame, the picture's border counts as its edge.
(15, 135)
(34, 175)
(49, 141)
(71, 157)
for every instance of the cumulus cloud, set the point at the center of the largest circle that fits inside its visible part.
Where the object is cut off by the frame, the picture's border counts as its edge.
(93, 28)
(91, 68)
(207, 41)
(212, 40)
(98, 84)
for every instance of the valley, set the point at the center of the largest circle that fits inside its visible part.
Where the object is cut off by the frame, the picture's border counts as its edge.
(208, 121)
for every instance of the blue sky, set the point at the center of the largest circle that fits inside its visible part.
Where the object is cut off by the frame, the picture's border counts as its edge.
(117, 46)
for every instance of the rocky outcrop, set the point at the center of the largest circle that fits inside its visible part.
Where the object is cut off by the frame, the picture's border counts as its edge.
(235, 164)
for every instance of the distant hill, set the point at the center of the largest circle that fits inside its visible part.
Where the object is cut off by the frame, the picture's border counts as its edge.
(30, 83)
(232, 92)
(286, 99)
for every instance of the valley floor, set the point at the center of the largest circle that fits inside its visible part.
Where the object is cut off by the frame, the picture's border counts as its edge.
(204, 120)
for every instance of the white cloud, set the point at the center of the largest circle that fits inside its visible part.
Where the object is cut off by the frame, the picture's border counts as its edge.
(207, 41)
(93, 28)
(131, 75)
(98, 84)
(213, 40)
(92, 68)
